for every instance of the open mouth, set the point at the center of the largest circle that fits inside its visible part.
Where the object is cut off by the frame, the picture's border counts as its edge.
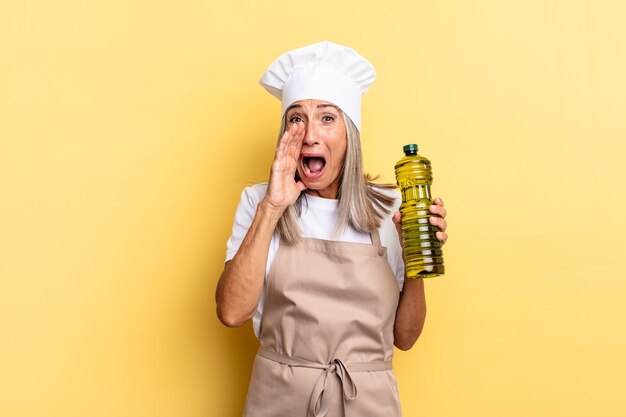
(313, 166)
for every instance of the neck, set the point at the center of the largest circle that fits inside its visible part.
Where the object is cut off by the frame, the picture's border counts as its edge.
(329, 192)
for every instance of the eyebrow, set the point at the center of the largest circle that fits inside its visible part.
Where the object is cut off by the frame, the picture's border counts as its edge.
(293, 106)
(321, 106)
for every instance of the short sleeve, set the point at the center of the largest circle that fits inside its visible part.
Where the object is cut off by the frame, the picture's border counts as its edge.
(244, 215)
(400, 272)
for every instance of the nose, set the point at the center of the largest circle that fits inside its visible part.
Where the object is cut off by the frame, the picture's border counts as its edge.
(310, 137)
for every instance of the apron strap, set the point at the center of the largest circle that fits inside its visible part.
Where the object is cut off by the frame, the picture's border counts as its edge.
(376, 242)
(375, 238)
(323, 389)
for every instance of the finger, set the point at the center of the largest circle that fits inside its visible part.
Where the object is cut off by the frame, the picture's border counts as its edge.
(439, 201)
(284, 140)
(442, 237)
(438, 210)
(439, 222)
(397, 220)
(289, 140)
(300, 185)
(297, 128)
(296, 141)
(280, 149)
(289, 132)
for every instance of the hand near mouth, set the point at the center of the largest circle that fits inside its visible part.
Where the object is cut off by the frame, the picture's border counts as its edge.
(283, 190)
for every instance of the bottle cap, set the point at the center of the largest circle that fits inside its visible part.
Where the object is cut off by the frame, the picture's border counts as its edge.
(410, 148)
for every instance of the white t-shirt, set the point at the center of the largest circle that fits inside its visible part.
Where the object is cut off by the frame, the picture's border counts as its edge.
(317, 220)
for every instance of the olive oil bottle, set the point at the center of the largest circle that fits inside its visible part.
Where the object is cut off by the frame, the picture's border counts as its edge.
(423, 257)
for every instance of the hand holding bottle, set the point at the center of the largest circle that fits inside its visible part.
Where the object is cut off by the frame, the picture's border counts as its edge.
(439, 221)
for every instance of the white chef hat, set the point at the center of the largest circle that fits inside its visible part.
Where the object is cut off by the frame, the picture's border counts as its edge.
(322, 71)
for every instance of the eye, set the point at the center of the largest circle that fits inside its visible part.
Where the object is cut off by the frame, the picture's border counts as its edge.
(295, 119)
(328, 118)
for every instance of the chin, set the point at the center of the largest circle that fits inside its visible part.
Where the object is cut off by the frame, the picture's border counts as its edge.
(315, 185)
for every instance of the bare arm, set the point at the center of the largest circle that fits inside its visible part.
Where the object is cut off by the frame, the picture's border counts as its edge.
(411, 311)
(241, 283)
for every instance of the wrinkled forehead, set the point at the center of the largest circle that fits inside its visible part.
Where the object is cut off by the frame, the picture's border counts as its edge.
(308, 105)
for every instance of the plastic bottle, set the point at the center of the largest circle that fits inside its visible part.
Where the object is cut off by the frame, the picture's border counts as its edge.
(423, 257)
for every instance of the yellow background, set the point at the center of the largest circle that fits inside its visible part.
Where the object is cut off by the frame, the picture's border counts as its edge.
(129, 128)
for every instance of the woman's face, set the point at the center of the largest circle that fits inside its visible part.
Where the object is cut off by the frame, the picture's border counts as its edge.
(324, 145)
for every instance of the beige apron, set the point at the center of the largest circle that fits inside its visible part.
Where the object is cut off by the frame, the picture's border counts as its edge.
(327, 333)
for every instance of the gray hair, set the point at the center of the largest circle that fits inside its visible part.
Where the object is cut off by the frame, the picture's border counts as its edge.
(362, 204)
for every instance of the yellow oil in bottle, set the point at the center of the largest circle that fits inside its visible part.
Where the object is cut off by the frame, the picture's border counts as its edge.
(423, 257)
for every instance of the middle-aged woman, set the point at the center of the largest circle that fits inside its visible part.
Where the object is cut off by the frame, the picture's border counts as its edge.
(315, 258)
